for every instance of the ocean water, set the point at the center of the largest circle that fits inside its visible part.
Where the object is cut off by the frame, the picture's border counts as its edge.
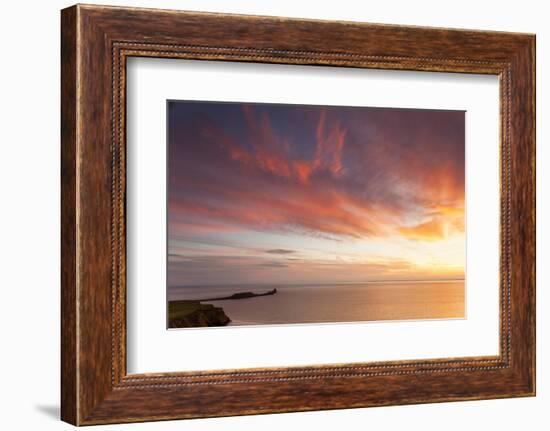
(373, 301)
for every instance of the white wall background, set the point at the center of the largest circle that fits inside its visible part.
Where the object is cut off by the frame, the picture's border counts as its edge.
(29, 218)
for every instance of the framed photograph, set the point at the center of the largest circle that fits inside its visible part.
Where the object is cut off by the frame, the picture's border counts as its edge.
(265, 215)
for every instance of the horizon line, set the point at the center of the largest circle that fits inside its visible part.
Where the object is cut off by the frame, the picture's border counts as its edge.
(441, 280)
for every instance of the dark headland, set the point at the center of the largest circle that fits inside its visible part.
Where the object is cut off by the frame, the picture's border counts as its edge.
(193, 313)
(240, 295)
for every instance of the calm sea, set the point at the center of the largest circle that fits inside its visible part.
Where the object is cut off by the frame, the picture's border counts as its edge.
(336, 303)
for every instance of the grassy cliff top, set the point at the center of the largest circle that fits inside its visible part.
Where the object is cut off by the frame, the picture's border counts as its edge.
(193, 314)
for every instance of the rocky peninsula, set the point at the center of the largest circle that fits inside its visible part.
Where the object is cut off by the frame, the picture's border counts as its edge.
(240, 295)
(195, 314)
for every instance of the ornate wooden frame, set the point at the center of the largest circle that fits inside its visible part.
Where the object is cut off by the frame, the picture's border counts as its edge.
(95, 42)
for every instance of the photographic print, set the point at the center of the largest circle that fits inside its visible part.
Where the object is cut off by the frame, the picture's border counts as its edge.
(300, 214)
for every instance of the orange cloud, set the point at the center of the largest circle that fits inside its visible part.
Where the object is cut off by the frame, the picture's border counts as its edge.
(365, 177)
(270, 153)
(329, 145)
(444, 221)
(432, 230)
(399, 175)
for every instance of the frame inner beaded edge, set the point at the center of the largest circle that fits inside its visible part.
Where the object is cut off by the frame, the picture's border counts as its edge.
(120, 380)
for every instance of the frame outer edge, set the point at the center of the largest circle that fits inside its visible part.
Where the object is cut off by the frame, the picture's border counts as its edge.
(532, 101)
(523, 265)
(530, 64)
(533, 54)
(69, 202)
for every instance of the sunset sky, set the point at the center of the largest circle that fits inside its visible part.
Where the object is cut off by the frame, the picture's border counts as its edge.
(294, 194)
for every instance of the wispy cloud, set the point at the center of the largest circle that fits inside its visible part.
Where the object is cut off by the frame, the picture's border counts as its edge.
(280, 251)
